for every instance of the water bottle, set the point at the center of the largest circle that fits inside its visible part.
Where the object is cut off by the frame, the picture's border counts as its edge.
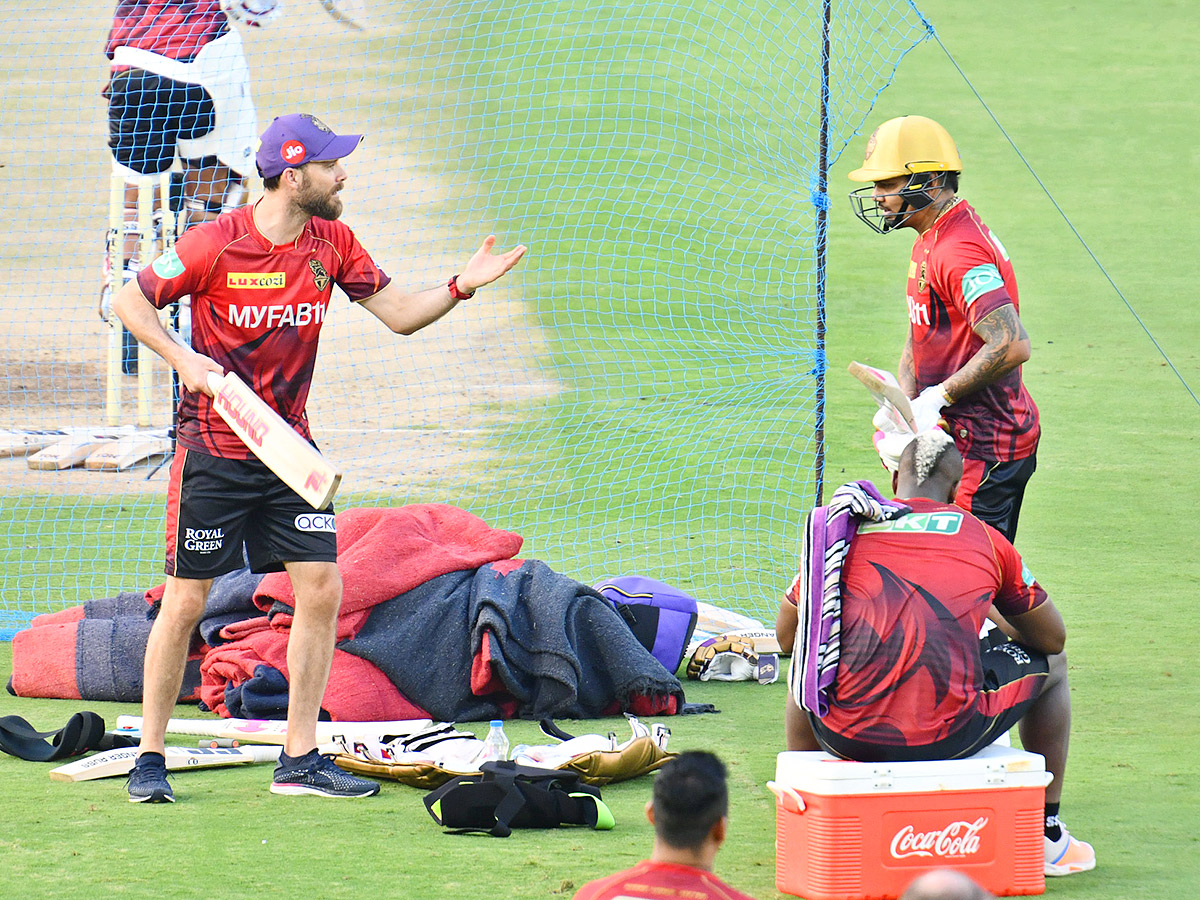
(496, 742)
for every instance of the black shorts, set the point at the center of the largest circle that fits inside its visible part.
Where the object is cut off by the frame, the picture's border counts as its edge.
(996, 490)
(215, 505)
(1008, 667)
(148, 114)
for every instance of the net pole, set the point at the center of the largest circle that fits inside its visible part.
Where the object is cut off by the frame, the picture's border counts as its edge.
(822, 203)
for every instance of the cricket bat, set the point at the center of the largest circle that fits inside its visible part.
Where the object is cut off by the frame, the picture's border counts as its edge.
(71, 451)
(885, 390)
(274, 731)
(112, 763)
(119, 455)
(23, 441)
(278, 446)
(298, 463)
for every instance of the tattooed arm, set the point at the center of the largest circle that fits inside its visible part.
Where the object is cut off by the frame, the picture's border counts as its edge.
(1005, 346)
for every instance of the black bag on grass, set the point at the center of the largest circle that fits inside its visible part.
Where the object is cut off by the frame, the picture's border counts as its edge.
(506, 795)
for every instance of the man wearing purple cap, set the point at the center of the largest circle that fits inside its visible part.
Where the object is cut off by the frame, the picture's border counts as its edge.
(261, 278)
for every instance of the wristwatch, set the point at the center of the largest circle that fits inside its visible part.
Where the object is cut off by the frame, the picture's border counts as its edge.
(455, 293)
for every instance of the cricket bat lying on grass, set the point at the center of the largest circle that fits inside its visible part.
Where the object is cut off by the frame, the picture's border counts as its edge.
(112, 763)
(274, 731)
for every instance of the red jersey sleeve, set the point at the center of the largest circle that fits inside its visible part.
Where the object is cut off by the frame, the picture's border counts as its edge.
(357, 274)
(178, 272)
(970, 276)
(1019, 591)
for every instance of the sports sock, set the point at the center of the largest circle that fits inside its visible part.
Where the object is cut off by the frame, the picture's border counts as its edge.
(150, 758)
(289, 762)
(1053, 828)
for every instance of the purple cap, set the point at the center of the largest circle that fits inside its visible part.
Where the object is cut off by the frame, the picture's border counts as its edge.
(296, 139)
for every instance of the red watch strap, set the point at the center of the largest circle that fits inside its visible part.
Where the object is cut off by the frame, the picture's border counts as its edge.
(455, 293)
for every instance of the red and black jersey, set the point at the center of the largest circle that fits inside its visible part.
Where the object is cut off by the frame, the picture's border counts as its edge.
(958, 274)
(257, 309)
(915, 593)
(660, 881)
(172, 28)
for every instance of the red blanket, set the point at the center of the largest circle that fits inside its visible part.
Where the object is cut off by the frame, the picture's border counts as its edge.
(382, 553)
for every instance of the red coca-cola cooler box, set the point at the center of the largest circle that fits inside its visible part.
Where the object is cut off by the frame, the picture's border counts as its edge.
(863, 831)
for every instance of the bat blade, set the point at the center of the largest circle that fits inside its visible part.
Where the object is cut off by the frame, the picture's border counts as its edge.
(23, 441)
(274, 731)
(113, 763)
(281, 449)
(71, 451)
(142, 447)
(883, 388)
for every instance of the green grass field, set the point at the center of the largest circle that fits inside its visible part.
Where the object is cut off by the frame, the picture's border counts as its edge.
(1100, 98)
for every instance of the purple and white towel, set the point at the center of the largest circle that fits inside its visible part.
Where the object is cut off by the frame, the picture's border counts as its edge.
(828, 532)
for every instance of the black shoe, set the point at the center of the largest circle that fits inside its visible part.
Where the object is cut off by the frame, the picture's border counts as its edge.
(148, 780)
(316, 774)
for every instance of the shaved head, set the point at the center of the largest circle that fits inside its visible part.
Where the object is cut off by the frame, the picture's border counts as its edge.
(930, 466)
(944, 884)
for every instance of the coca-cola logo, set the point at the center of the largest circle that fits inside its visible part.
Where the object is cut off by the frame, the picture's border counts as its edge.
(954, 841)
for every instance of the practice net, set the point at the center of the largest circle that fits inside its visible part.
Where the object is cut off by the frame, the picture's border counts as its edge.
(641, 396)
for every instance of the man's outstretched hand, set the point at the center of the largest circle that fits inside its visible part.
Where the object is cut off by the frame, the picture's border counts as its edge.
(485, 266)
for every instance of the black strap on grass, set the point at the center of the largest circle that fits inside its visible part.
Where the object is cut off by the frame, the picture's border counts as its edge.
(507, 795)
(84, 731)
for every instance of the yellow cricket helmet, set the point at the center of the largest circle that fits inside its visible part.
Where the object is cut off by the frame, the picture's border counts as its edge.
(907, 145)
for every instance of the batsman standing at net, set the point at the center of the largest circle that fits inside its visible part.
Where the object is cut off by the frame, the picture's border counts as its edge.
(261, 279)
(179, 84)
(961, 361)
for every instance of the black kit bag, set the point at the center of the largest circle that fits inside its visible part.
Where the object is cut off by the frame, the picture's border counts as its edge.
(506, 795)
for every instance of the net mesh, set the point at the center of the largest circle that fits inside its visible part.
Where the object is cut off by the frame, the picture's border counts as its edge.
(640, 396)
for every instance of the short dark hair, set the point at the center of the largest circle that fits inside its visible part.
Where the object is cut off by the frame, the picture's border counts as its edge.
(272, 183)
(690, 797)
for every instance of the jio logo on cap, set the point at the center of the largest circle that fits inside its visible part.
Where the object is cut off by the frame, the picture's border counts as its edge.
(292, 152)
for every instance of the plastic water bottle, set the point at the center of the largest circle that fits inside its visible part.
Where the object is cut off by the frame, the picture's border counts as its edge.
(496, 742)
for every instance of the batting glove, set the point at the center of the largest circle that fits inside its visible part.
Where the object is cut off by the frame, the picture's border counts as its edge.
(889, 446)
(927, 407)
(254, 13)
(889, 421)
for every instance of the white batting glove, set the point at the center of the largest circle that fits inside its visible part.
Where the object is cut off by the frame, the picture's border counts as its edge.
(889, 446)
(254, 13)
(888, 420)
(927, 407)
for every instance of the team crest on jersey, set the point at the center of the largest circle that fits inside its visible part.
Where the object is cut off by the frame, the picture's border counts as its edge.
(921, 279)
(320, 276)
(168, 265)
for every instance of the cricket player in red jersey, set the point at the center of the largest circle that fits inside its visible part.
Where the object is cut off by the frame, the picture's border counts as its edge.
(261, 279)
(179, 86)
(913, 680)
(966, 343)
(690, 815)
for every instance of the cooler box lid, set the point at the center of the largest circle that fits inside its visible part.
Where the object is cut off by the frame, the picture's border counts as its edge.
(993, 767)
